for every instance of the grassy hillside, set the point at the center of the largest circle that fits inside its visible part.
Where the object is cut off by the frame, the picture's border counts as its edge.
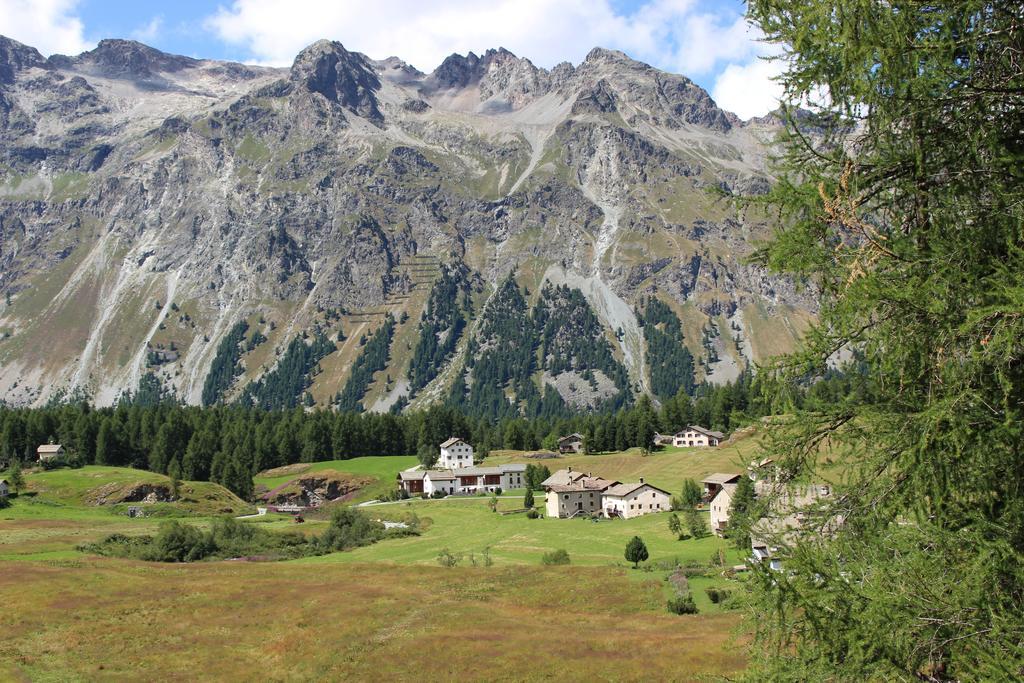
(382, 469)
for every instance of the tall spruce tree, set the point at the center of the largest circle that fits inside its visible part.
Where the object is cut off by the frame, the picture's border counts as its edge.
(902, 199)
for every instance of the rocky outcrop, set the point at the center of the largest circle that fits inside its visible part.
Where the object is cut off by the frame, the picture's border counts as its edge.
(342, 77)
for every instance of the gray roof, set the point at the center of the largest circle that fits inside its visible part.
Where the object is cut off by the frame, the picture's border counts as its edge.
(708, 432)
(626, 489)
(451, 442)
(411, 475)
(49, 448)
(439, 475)
(562, 477)
(574, 435)
(515, 467)
(719, 478)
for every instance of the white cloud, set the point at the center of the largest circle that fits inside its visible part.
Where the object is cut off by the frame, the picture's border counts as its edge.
(51, 26)
(748, 89)
(676, 35)
(150, 31)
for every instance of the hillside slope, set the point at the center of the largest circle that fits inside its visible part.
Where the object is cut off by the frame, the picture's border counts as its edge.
(150, 203)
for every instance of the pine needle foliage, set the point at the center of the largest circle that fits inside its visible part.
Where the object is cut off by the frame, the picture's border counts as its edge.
(903, 201)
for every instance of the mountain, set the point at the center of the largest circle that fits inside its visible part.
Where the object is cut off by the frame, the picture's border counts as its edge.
(178, 224)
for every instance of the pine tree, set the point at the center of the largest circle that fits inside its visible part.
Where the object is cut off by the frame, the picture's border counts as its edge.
(15, 477)
(692, 493)
(528, 499)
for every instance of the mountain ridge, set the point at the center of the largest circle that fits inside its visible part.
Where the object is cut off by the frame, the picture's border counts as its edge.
(148, 201)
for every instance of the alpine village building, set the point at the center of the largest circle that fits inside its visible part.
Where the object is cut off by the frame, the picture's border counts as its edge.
(455, 474)
(569, 493)
(694, 436)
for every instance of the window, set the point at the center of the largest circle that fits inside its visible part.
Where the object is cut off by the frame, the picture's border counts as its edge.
(566, 496)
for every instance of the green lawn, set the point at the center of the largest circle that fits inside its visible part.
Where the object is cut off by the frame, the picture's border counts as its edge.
(466, 525)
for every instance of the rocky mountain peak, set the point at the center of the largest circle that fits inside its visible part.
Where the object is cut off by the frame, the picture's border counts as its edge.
(117, 57)
(15, 57)
(457, 71)
(344, 78)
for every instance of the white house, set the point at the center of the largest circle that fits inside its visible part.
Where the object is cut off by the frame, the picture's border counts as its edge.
(562, 478)
(720, 505)
(694, 436)
(455, 453)
(462, 480)
(49, 452)
(633, 500)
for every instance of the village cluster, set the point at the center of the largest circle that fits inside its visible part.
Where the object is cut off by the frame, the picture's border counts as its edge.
(569, 493)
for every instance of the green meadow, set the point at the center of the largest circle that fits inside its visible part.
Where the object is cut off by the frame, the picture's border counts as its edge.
(80, 617)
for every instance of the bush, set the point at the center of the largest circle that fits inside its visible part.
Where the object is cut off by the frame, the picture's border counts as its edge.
(559, 556)
(446, 558)
(717, 595)
(497, 491)
(438, 494)
(177, 542)
(532, 513)
(682, 604)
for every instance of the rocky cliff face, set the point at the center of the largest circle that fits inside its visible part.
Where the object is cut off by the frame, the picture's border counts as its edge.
(151, 202)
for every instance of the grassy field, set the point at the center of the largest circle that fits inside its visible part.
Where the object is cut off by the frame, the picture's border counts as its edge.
(385, 611)
(113, 620)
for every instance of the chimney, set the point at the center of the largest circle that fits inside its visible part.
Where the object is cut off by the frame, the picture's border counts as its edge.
(641, 480)
(568, 469)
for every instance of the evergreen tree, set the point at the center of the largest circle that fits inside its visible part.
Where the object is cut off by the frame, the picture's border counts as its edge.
(528, 499)
(15, 478)
(692, 493)
(696, 524)
(902, 198)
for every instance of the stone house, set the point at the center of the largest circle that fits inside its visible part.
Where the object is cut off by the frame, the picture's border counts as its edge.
(5, 488)
(582, 495)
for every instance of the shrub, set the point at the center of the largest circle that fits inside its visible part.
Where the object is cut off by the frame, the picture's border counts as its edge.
(497, 491)
(446, 558)
(682, 604)
(438, 494)
(532, 513)
(717, 595)
(559, 556)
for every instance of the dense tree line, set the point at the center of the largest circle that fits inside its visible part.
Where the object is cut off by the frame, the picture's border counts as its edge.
(671, 363)
(225, 366)
(284, 386)
(229, 444)
(371, 360)
(441, 326)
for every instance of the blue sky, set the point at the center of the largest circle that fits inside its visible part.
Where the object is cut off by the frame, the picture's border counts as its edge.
(707, 40)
